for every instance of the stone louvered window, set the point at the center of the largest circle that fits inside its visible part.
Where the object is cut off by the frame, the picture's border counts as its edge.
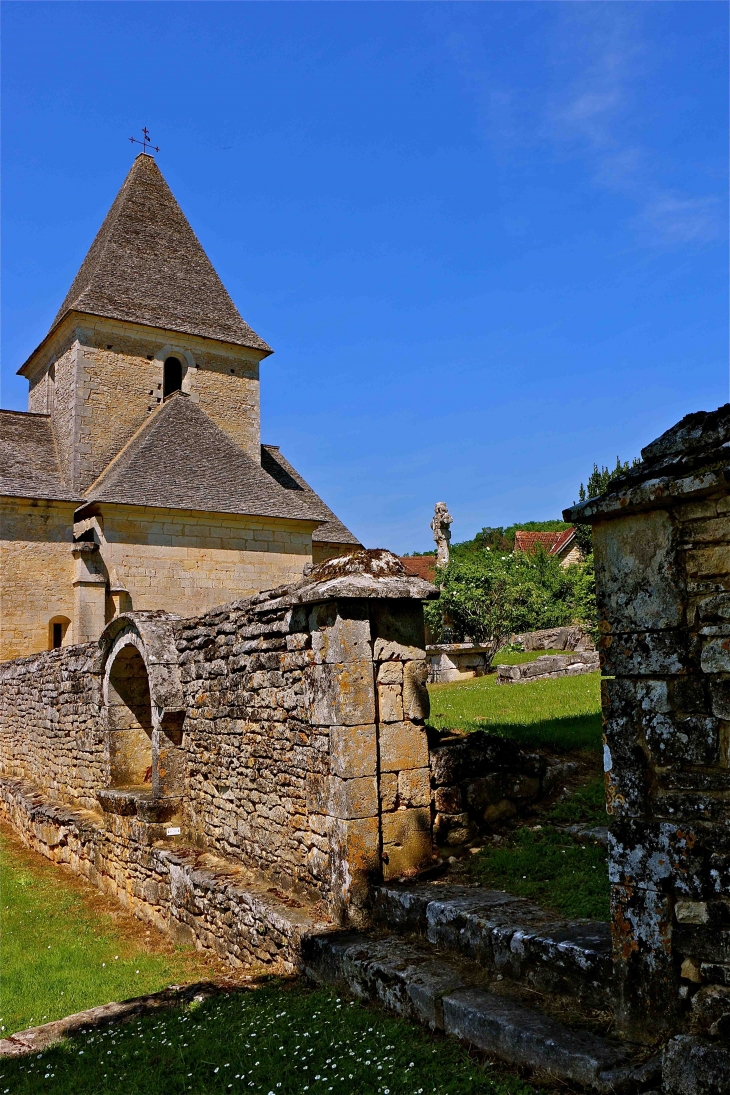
(172, 376)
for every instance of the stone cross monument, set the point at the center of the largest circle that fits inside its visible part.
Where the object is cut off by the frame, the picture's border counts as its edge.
(442, 533)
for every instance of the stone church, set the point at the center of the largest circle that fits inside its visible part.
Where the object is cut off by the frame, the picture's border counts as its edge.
(137, 478)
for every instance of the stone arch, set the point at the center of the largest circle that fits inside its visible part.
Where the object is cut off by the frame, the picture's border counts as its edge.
(143, 701)
(128, 718)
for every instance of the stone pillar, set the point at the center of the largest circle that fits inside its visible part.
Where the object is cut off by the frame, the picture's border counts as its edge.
(401, 671)
(662, 548)
(366, 687)
(89, 592)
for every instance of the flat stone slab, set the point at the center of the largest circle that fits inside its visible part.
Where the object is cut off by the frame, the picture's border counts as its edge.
(506, 934)
(416, 982)
(549, 665)
(505, 1029)
(35, 1039)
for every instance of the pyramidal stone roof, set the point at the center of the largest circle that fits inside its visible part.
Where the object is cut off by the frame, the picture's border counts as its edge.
(332, 531)
(146, 265)
(29, 464)
(180, 459)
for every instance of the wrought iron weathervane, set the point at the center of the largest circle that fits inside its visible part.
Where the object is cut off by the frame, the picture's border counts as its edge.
(146, 141)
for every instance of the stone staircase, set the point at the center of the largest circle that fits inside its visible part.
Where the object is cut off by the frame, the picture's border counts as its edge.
(496, 972)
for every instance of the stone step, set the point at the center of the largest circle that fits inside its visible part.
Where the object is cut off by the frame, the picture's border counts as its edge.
(416, 983)
(507, 935)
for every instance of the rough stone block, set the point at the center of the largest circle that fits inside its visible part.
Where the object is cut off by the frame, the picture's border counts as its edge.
(353, 798)
(407, 841)
(398, 825)
(695, 1066)
(341, 694)
(416, 702)
(353, 750)
(390, 703)
(638, 578)
(390, 673)
(340, 633)
(412, 855)
(414, 787)
(402, 745)
(644, 654)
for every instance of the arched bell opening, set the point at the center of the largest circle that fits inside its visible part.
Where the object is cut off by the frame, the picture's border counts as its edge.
(129, 715)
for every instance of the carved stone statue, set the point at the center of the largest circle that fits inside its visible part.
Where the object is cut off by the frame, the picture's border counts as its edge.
(442, 533)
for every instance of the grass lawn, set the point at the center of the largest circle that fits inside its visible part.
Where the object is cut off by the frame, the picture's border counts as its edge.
(549, 867)
(66, 948)
(561, 715)
(539, 862)
(276, 1039)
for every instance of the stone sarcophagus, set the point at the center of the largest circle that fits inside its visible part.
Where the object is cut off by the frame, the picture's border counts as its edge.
(661, 539)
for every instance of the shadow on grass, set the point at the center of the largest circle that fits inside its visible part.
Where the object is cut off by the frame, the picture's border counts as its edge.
(559, 735)
(551, 868)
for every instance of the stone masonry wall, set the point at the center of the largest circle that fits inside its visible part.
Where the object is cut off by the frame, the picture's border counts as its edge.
(192, 561)
(288, 734)
(662, 549)
(36, 572)
(50, 724)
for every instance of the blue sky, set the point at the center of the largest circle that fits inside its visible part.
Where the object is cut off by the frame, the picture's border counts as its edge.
(487, 241)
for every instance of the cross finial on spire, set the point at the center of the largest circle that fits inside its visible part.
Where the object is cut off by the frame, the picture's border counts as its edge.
(146, 141)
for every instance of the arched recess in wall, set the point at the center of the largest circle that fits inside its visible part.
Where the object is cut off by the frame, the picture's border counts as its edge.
(143, 703)
(129, 719)
(57, 631)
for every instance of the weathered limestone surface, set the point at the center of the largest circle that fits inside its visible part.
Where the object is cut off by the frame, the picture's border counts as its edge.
(479, 780)
(549, 666)
(283, 734)
(662, 549)
(36, 539)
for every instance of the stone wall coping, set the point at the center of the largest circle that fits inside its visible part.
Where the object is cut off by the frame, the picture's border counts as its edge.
(692, 458)
(651, 494)
(361, 586)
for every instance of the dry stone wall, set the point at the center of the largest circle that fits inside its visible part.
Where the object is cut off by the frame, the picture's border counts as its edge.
(285, 733)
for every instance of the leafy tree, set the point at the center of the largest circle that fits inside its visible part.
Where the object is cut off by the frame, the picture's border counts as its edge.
(487, 595)
(598, 483)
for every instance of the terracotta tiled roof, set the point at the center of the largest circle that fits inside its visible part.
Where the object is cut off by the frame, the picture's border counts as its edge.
(332, 531)
(29, 464)
(420, 566)
(552, 542)
(180, 459)
(563, 541)
(146, 265)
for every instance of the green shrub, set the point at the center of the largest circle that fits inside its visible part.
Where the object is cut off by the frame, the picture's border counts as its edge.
(487, 594)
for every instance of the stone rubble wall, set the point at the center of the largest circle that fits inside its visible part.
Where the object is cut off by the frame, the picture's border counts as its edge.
(50, 724)
(287, 734)
(197, 899)
(480, 780)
